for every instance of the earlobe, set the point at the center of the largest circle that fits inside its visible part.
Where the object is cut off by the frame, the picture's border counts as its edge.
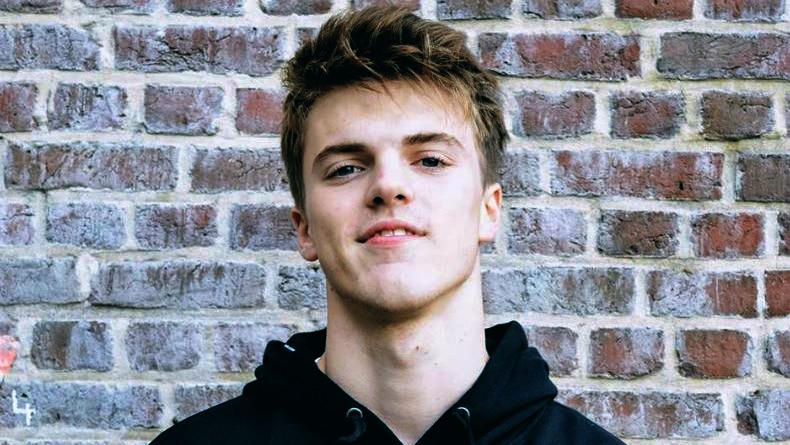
(306, 246)
(490, 213)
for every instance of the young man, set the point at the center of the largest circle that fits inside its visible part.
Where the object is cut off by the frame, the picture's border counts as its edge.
(392, 137)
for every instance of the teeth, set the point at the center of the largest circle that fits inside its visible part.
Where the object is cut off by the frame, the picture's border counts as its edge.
(399, 232)
(396, 232)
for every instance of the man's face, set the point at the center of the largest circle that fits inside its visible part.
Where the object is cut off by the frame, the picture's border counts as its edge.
(395, 208)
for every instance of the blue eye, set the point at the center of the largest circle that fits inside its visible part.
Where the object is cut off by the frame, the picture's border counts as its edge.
(344, 170)
(431, 162)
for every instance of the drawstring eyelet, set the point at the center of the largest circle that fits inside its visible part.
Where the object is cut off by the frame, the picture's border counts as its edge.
(358, 422)
(465, 417)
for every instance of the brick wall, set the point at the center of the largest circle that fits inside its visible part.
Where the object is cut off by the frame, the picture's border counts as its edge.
(146, 255)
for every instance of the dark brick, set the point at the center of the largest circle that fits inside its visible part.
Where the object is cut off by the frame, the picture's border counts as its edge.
(764, 413)
(87, 107)
(288, 7)
(520, 174)
(33, 281)
(472, 9)
(651, 415)
(646, 234)
(304, 35)
(560, 232)
(745, 10)
(787, 113)
(179, 285)
(714, 354)
(301, 288)
(559, 116)
(258, 111)
(655, 9)
(16, 224)
(32, 6)
(733, 116)
(55, 47)
(777, 288)
(66, 442)
(653, 115)
(163, 346)
(220, 170)
(688, 55)
(626, 353)
(138, 6)
(90, 165)
(206, 7)
(239, 347)
(777, 352)
(562, 9)
(412, 5)
(654, 175)
(72, 345)
(763, 178)
(193, 399)
(253, 51)
(262, 227)
(93, 225)
(175, 226)
(182, 110)
(720, 235)
(17, 104)
(592, 56)
(702, 294)
(784, 232)
(557, 346)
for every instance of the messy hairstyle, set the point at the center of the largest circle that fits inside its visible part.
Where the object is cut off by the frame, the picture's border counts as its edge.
(383, 44)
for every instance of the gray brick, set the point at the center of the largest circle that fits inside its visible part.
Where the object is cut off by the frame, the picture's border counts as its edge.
(301, 287)
(764, 413)
(138, 6)
(32, 281)
(55, 47)
(166, 226)
(635, 233)
(222, 170)
(32, 6)
(98, 226)
(504, 290)
(559, 232)
(72, 345)
(262, 227)
(562, 9)
(87, 107)
(182, 110)
(777, 352)
(16, 224)
(288, 7)
(520, 175)
(239, 347)
(702, 294)
(206, 7)
(193, 399)
(163, 346)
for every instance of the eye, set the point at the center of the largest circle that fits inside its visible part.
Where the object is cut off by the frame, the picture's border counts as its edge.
(344, 170)
(433, 162)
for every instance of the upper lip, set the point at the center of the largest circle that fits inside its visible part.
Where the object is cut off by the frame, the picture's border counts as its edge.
(391, 224)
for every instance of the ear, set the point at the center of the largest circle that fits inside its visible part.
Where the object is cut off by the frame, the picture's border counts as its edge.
(306, 246)
(490, 213)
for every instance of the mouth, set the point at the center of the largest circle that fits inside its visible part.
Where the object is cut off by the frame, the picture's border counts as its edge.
(390, 231)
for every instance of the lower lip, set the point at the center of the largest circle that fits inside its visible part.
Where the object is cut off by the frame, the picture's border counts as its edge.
(383, 241)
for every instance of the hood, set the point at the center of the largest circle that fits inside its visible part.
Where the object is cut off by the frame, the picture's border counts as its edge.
(507, 398)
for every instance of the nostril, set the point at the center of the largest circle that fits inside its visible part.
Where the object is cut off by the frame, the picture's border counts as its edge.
(378, 200)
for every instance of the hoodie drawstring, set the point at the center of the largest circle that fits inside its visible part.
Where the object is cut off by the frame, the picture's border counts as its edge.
(462, 414)
(358, 423)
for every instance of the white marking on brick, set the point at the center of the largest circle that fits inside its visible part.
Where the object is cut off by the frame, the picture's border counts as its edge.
(27, 411)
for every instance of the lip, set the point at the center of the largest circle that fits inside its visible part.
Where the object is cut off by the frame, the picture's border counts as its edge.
(369, 236)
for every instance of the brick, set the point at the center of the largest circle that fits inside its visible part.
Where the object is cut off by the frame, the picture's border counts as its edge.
(55, 47)
(139, 6)
(32, 6)
(17, 104)
(301, 288)
(87, 107)
(16, 224)
(591, 56)
(651, 115)
(66, 442)
(182, 110)
(175, 226)
(259, 111)
(763, 178)
(193, 399)
(557, 345)
(503, 290)
(244, 50)
(720, 235)
(221, 170)
(239, 347)
(35, 281)
(413, 5)
(764, 413)
(304, 35)
(688, 55)
(777, 352)
(472, 9)
(262, 227)
(783, 220)
(92, 225)
(734, 116)
(777, 288)
(651, 415)
(787, 113)
(554, 116)
(90, 165)
(72, 346)
(562, 9)
(84, 405)
(163, 346)
(745, 10)
(206, 7)
(658, 9)
(520, 174)
(702, 294)
(645, 234)
(714, 354)
(653, 175)
(288, 7)
(179, 284)
(541, 231)
(626, 353)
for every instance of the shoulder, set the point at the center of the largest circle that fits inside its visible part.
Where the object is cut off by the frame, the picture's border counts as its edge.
(565, 425)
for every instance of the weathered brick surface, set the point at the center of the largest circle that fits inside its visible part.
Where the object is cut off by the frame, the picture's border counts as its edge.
(690, 294)
(16, 224)
(763, 177)
(745, 10)
(764, 413)
(594, 56)
(17, 101)
(31, 6)
(56, 47)
(653, 115)
(520, 174)
(222, 170)
(93, 225)
(206, 7)
(175, 226)
(193, 399)
(733, 116)
(288, 7)
(72, 345)
(258, 111)
(719, 235)
(262, 227)
(472, 9)
(658, 9)
(625, 233)
(558, 116)
(239, 347)
(678, 176)
(777, 352)
(783, 220)
(714, 354)
(301, 287)
(138, 6)
(546, 231)
(777, 288)
(33, 280)
(182, 110)
(87, 107)
(163, 346)
(626, 353)
(562, 9)
(651, 415)
(39, 166)
(688, 55)
(557, 346)
(412, 5)
(179, 285)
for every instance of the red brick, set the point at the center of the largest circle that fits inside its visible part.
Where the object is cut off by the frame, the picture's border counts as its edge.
(702, 294)
(714, 354)
(593, 56)
(87, 107)
(655, 9)
(182, 110)
(17, 103)
(677, 176)
(16, 224)
(556, 116)
(32, 6)
(560, 232)
(719, 235)
(220, 170)
(745, 10)
(413, 5)
(557, 346)
(138, 6)
(654, 115)
(55, 47)
(562, 9)
(261, 227)
(777, 293)
(688, 55)
(626, 353)
(733, 116)
(258, 111)
(169, 226)
(764, 413)
(472, 9)
(520, 175)
(763, 177)
(784, 233)
(777, 352)
(206, 7)
(298, 7)
(648, 234)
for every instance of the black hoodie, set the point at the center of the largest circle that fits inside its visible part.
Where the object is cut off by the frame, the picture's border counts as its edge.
(293, 403)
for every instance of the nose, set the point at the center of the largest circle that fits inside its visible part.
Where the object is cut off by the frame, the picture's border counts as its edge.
(391, 184)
